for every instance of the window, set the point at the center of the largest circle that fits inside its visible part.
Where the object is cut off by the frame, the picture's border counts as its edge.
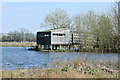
(61, 34)
(43, 35)
(58, 34)
(55, 34)
(46, 35)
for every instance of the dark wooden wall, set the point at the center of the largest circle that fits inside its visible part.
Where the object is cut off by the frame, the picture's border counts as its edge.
(44, 38)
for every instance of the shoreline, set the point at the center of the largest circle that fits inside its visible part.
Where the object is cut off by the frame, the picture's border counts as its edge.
(32, 46)
(67, 50)
(17, 44)
(75, 69)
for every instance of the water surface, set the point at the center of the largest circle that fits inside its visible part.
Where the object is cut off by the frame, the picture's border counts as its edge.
(18, 57)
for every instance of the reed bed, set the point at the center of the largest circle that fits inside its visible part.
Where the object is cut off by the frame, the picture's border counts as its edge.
(17, 44)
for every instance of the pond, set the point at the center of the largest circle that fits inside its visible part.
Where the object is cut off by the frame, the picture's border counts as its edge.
(19, 57)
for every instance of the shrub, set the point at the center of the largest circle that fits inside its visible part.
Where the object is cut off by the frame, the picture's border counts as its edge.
(65, 69)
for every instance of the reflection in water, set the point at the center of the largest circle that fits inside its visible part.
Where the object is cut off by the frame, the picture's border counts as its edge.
(18, 57)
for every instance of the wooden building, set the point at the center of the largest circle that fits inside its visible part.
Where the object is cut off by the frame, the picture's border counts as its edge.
(56, 38)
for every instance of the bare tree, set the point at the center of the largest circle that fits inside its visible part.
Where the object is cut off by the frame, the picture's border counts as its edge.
(19, 36)
(115, 20)
(57, 19)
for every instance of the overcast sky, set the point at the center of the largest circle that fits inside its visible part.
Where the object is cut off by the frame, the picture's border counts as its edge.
(30, 15)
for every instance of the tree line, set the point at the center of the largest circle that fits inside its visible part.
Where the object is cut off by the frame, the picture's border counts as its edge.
(24, 35)
(96, 31)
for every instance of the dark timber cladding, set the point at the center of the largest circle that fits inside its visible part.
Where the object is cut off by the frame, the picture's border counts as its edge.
(55, 38)
(44, 38)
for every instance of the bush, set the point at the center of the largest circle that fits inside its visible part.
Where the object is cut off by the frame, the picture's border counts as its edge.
(60, 50)
(92, 71)
(65, 69)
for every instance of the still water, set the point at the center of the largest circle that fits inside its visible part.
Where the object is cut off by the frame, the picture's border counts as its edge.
(18, 57)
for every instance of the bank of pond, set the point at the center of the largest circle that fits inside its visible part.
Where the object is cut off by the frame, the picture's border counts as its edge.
(20, 57)
(94, 50)
(19, 62)
(75, 69)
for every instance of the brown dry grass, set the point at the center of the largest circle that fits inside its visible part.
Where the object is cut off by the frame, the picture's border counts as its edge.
(17, 44)
(54, 73)
(72, 72)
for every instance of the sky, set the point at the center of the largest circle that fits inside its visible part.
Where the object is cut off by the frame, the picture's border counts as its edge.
(30, 15)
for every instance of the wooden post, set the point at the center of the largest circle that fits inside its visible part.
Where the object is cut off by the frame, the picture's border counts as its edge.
(55, 47)
(69, 47)
(48, 47)
(45, 47)
(41, 46)
(38, 46)
(51, 47)
(64, 47)
(60, 47)
(73, 47)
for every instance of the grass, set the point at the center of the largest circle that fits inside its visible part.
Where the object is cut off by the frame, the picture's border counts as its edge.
(76, 69)
(56, 73)
(17, 44)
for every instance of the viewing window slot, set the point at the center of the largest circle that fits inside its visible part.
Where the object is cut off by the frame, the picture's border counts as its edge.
(58, 34)
(61, 34)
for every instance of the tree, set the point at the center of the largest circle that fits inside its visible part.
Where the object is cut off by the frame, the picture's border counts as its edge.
(26, 35)
(4, 38)
(22, 34)
(119, 18)
(82, 31)
(57, 19)
(105, 32)
(14, 36)
(92, 25)
(115, 20)
(29, 36)
(94, 30)
(77, 20)
(18, 36)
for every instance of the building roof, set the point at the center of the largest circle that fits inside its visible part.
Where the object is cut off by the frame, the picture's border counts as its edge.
(52, 30)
